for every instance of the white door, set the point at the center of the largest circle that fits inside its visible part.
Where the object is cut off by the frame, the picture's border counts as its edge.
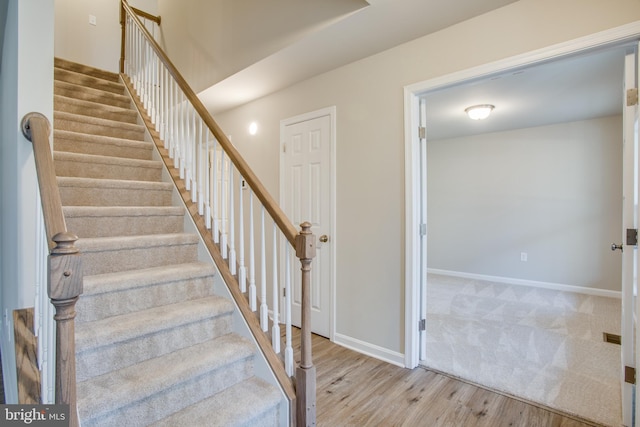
(306, 195)
(629, 250)
(422, 330)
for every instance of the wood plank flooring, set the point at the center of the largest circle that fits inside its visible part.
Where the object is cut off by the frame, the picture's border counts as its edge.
(357, 390)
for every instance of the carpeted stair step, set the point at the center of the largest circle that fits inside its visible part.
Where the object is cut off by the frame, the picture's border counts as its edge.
(124, 253)
(106, 167)
(94, 109)
(77, 142)
(114, 294)
(113, 192)
(251, 403)
(97, 126)
(109, 221)
(116, 342)
(72, 90)
(85, 69)
(152, 390)
(83, 79)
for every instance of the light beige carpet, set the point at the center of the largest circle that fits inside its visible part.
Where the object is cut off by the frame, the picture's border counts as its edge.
(542, 345)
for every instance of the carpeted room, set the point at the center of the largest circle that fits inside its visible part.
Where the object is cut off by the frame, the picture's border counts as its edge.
(517, 219)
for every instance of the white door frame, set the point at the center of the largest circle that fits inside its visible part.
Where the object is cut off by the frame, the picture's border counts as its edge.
(331, 112)
(625, 33)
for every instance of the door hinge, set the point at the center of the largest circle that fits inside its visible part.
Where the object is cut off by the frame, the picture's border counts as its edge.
(632, 97)
(422, 325)
(629, 375)
(284, 148)
(422, 132)
(632, 237)
(423, 229)
(284, 292)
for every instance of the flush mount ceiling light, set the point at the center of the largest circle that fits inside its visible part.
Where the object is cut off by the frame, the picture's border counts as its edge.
(253, 128)
(479, 112)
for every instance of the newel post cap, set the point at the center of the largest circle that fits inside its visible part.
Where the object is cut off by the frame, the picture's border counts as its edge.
(306, 242)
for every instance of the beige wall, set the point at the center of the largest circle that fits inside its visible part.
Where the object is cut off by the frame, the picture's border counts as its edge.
(96, 45)
(368, 95)
(552, 192)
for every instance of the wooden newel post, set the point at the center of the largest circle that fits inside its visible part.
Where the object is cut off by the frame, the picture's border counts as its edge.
(306, 372)
(65, 286)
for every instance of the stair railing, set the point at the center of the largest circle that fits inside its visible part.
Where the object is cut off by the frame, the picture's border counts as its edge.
(65, 275)
(253, 241)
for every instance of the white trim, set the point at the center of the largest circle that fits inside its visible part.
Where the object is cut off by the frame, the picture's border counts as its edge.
(371, 350)
(618, 35)
(532, 283)
(332, 113)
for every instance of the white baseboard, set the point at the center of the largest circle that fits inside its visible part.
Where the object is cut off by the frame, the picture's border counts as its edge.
(532, 283)
(369, 349)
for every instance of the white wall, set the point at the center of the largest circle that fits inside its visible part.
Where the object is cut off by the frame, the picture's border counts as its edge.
(26, 85)
(95, 45)
(552, 192)
(368, 95)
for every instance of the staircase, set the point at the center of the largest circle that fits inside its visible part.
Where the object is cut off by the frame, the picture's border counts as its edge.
(154, 344)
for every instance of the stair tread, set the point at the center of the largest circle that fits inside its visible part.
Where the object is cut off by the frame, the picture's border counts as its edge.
(106, 160)
(63, 115)
(140, 241)
(99, 94)
(84, 79)
(72, 181)
(108, 392)
(112, 140)
(116, 329)
(113, 282)
(85, 69)
(113, 211)
(240, 404)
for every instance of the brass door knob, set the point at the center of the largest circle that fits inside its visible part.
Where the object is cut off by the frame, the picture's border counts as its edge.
(324, 238)
(615, 247)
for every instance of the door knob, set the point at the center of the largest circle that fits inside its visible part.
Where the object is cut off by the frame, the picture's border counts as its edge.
(324, 238)
(614, 247)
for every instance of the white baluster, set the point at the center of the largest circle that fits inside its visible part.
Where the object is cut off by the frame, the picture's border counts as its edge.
(194, 156)
(201, 169)
(223, 207)
(207, 190)
(252, 257)
(182, 135)
(275, 328)
(288, 349)
(232, 224)
(187, 144)
(264, 310)
(214, 185)
(242, 270)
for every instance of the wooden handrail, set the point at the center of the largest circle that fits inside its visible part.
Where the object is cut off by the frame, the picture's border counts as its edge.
(65, 275)
(288, 229)
(146, 15)
(36, 128)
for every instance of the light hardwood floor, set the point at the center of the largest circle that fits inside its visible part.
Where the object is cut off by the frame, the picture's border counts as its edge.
(356, 390)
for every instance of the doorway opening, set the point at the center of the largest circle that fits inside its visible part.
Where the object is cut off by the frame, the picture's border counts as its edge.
(516, 206)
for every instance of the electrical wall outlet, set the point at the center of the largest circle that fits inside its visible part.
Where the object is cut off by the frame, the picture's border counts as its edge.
(92, 20)
(523, 256)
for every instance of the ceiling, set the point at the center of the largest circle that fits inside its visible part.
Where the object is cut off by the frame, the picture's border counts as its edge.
(381, 25)
(577, 87)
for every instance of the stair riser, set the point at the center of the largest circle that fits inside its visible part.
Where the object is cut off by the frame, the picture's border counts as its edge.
(97, 361)
(99, 97)
(88, 109)
(101, 306)
(92, 196)
(106, 171)
(110, 261)
(168, 401)
(101, 147)
(114, 131)
(89, 81)
(125, 225)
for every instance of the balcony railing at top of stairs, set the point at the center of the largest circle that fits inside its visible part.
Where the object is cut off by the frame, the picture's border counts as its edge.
(252, 240)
